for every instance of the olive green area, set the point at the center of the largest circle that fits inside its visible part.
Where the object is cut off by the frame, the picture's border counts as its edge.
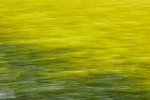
(74, 50)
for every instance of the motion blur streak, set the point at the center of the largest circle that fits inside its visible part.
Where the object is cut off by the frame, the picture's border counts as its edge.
(74, 49)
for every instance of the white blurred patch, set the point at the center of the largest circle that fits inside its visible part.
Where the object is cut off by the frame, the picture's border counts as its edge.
(7, 94)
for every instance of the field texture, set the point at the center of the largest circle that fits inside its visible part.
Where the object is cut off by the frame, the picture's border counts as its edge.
(75, 49)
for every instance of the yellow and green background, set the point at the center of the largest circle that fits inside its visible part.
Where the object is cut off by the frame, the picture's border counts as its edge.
(75, 49)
